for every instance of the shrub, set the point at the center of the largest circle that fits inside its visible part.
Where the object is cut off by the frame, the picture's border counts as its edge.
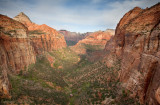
(39, 32)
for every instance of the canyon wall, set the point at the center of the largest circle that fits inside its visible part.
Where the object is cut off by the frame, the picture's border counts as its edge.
(44, 38)
(95, 41)
(20, 42)
(137, 44)
(16, 51)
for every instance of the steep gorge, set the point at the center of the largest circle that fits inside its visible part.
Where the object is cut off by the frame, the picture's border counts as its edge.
(127, 73)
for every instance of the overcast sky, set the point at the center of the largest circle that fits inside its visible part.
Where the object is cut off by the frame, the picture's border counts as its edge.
(73, 15)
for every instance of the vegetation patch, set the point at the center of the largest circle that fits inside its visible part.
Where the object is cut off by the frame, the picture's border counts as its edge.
(94, 83)
(38, 32)
(79, 81)
(70, 43)
(35, 84)
(10, 32)
(64, 57)
(1, 28)
(91, 48)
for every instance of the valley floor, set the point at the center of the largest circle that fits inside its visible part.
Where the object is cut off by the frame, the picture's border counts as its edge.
(64, 78)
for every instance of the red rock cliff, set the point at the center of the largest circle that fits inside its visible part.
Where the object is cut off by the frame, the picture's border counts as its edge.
(44, 38)
(98, 38)
(20, 43)
(137, 44)
(16, 51)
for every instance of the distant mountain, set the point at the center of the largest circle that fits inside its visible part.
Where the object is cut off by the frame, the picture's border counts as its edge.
(73, 37)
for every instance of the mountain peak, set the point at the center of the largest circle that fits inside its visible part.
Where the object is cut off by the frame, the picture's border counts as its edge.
(23, 18)
(22, 13)
(137, 8)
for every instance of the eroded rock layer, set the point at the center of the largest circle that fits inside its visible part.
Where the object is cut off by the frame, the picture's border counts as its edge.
(20, 42)
(16, 51)
(44, 38)
(96, 41)
(137, 44)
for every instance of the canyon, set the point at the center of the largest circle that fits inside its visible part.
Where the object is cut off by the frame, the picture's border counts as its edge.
(111, 67)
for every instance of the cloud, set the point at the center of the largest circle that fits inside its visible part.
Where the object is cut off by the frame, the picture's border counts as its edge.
(79, 16)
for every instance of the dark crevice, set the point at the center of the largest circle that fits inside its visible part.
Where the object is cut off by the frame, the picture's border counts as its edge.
(149, 37)
(42, 50)
(149, 78)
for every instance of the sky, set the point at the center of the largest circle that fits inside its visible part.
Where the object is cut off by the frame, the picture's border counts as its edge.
(74, 15)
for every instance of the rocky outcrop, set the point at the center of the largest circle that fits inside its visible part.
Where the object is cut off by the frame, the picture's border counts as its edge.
(136, 43)
(23, 18)
(21, 43)
(72, 37)
(98, 38)
(16, 50)
(94, 41)
(44, 38)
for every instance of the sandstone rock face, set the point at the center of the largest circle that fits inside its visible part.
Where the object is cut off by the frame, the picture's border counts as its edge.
(98, 38)
(23, 18)
(137, 44)
(44, 38)
(21, 43)
(72, 37)
(16, 51)
(49, 40)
